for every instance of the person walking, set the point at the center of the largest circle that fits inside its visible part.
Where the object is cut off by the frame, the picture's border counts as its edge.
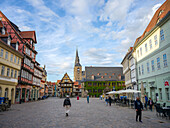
(87, 98)
(150, 102)
(67, 104)
(146, 102)
(138, 107)
(106, 101)
(110, 101)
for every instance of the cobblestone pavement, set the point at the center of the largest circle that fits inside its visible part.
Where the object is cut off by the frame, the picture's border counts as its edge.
(50, 113)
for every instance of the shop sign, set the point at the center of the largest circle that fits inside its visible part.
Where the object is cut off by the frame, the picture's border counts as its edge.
(166, 83)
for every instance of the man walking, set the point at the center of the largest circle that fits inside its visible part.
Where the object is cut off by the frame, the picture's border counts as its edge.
(67, 105)
(87, 98)
(110, 101)
(138, 107)
(146, 101)
(150, 102)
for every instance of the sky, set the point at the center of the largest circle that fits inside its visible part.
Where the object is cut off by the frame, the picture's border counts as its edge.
(102, 30)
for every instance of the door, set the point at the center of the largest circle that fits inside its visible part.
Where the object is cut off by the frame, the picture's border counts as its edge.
(153, 96)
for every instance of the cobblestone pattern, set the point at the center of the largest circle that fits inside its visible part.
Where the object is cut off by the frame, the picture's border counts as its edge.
(50, 113)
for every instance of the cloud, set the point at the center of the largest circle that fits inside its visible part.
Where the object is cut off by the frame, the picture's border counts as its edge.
(103, 30)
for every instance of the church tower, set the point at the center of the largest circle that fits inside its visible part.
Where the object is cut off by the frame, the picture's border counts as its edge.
(77, 68)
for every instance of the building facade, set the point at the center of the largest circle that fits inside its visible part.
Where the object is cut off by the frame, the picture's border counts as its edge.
(152, 53)
(35, 94)
(98, 79)
(10, 65)
(43, 83)
(66, 86)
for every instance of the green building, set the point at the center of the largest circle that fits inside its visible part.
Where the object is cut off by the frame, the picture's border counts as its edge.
(99, 80)
(152, 51)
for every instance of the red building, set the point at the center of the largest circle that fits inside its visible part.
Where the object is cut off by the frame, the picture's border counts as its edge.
(25, 41)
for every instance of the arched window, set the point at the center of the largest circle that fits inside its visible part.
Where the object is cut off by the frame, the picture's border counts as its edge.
(6, 92)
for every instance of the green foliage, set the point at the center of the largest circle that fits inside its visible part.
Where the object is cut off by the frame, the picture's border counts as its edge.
(102, 85)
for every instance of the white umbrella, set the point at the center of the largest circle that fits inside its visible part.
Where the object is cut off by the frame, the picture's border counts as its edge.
(130, 91)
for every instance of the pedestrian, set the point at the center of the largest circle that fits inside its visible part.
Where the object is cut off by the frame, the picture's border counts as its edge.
(146, 102)
(67, 104)
(110, 101)
(106, 101)
(138, 107)
(150, 102)
(87, 98)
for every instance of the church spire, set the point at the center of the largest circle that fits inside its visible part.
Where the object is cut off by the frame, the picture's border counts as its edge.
(77, 61)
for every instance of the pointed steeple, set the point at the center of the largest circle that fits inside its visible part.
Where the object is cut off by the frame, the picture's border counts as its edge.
(77, 61)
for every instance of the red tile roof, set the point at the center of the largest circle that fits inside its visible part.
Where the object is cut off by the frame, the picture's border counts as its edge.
(165, 7)
(76, 83)
(58, 81)
(28, 35)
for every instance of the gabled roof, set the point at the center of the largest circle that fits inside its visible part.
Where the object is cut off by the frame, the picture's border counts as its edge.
(66, 76)
(9, 22)
(159, 14)
(29, 35)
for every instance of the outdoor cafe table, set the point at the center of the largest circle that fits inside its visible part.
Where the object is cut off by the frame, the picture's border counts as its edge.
(165, 109)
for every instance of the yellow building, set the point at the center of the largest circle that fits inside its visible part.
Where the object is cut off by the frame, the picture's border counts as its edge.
(10, 65)
(66, 86)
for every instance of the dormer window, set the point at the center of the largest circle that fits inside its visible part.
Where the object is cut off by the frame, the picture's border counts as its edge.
(160, 12)
(3, 31)
(9, 41)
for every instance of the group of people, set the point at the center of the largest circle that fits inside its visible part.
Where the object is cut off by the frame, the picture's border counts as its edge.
(150, 103)
(108, 100)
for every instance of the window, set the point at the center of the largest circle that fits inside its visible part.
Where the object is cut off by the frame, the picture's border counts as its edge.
(11, 57)
(155, 39)
(160, 12)
(150, 43)
(18, 60)
(146, 49)
(3, 70)
(141, 51)
(98, 74)
(105, 73)
(160, 93)
(162, 34)
(8, 71)
(15, 59)
(142, 70)
(15, 75)
(113, 74)
(167, 94)
(138, 53)
(148, 67)
(158, 63)
(153, 67)
(165, 60)
(6, 55)
(66, 80)
(12, 72)
(32, 55)
(139, 71)
(2, 53)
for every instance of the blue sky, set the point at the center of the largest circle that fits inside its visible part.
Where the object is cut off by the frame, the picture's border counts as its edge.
(103, 30)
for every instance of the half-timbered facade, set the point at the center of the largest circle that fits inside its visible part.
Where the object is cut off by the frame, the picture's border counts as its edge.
(66, 86)
(25, 42)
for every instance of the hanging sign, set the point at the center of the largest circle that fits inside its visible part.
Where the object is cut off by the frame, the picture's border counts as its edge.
(166, 83)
